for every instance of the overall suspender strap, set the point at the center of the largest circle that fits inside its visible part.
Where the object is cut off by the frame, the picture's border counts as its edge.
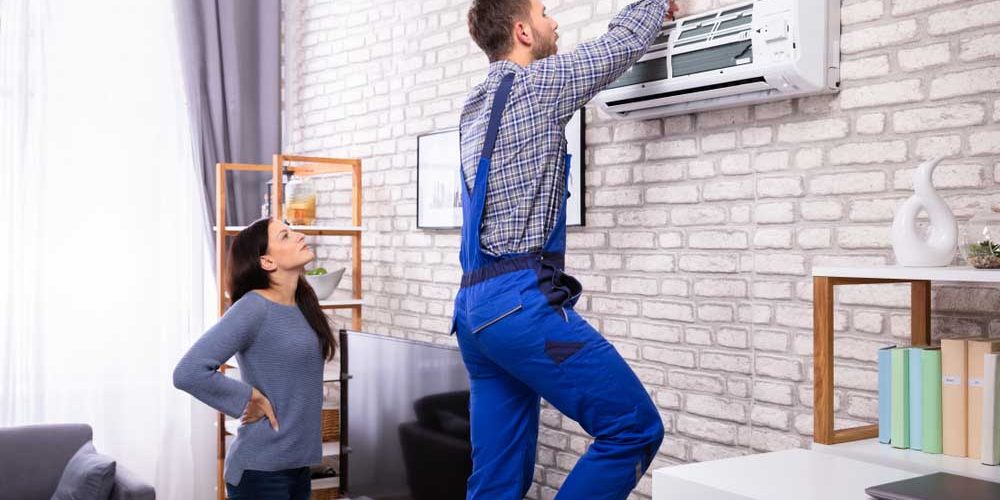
(499, 103)
(473, 218)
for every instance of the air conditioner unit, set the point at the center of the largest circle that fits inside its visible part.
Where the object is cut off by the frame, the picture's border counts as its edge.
(748, 53)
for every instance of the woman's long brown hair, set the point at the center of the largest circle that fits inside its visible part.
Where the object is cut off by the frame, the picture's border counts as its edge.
(245, 274)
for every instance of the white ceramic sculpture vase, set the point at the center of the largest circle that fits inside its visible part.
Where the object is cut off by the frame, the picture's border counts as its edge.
(941, 242)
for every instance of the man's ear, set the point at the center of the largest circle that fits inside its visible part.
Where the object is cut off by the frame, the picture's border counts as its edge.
(267, 264)
(523, 34)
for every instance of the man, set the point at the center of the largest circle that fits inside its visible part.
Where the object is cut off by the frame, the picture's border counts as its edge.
(519, 335)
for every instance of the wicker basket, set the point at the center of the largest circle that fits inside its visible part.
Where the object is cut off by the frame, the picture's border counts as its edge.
(327, 494)
(331, 424)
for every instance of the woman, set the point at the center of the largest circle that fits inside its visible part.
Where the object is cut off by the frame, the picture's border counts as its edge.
(281, 340)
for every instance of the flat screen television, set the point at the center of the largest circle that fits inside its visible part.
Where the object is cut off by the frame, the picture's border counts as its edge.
(383, 379)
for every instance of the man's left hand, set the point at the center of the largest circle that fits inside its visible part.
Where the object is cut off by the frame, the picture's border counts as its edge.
(672, 10)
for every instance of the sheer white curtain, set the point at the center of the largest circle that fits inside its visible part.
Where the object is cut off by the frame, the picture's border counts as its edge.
(103, 248)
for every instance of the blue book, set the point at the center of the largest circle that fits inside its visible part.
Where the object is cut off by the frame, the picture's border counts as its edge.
(916, 398)
(885, 394)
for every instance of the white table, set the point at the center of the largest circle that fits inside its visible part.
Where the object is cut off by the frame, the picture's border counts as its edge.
(837, 472)
(780, 475)
(871, 451)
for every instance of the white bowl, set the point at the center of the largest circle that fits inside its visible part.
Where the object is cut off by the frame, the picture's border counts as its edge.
(325, 284)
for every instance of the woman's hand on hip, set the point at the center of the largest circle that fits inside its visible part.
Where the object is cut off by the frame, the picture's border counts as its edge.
(259, 407)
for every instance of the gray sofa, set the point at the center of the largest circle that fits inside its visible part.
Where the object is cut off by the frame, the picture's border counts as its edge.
(32, 459)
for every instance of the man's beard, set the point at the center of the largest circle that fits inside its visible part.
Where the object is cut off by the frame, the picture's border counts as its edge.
(545, 47)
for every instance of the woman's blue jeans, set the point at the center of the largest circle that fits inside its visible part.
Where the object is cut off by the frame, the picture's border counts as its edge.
(288, 484)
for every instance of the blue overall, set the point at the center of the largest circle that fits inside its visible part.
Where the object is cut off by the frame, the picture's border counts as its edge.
(520, 340)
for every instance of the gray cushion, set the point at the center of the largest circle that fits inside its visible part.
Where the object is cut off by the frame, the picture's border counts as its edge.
(88, 476)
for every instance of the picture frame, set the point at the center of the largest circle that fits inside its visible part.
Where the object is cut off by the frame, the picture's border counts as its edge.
(439, 181)
(575, 147)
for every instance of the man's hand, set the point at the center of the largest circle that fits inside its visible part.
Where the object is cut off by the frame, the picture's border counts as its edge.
(672, 10)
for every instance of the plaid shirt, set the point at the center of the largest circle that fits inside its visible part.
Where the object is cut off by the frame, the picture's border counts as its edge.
(527, 173)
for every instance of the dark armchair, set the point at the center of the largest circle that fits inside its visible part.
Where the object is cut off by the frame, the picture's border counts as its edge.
(437, 449)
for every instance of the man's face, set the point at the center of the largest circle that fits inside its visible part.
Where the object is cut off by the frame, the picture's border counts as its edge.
(544, 30)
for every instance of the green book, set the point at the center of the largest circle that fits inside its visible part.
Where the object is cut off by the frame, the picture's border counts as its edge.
(930, 360)
(900, 398)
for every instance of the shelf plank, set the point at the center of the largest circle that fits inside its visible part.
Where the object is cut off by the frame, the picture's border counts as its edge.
(323, 161)
(873, 452)
(247, 167)
(308, 169)
(340, 304)
(310, 230)
(854, 434)
(331, 448)
(949, 273)
(325, 483)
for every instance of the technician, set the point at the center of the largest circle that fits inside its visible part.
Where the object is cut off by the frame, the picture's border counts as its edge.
(519, 335)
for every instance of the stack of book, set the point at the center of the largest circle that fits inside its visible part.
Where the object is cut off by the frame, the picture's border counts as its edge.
(942, 399)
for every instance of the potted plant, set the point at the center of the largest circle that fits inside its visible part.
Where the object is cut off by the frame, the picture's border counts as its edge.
(981, 240)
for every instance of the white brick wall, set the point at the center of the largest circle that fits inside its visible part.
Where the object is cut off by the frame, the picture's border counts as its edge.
(701, 229)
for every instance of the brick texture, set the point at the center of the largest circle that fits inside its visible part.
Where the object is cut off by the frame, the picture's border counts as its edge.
(701, 230)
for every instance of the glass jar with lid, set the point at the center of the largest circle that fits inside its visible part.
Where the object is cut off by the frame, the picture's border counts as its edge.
(300, 202)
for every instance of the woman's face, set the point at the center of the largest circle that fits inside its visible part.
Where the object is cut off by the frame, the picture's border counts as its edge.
(286, 249)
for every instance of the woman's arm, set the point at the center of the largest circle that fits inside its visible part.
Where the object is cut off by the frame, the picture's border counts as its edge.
(197, 372)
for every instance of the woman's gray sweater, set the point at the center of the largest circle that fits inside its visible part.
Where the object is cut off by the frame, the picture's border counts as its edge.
(279, 354)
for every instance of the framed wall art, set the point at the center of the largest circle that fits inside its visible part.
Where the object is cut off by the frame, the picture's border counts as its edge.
(439, 181)
(439, 199)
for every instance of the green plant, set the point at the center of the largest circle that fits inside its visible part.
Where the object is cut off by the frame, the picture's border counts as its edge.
(316, 272)
(986, 248)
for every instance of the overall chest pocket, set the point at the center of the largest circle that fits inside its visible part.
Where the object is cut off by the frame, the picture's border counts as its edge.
(494, 309)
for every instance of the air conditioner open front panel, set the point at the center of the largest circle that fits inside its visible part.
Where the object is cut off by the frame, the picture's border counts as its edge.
(748, 53)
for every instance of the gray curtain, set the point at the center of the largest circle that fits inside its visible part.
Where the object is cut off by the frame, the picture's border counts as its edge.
(230, 53)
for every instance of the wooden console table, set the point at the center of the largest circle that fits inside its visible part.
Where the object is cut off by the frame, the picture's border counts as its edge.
(824, 281)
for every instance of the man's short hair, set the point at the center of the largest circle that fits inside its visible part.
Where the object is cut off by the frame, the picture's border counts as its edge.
(491, 23)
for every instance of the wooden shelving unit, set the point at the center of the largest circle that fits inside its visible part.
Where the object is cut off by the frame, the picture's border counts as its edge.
(302, 166)
(824, 281)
